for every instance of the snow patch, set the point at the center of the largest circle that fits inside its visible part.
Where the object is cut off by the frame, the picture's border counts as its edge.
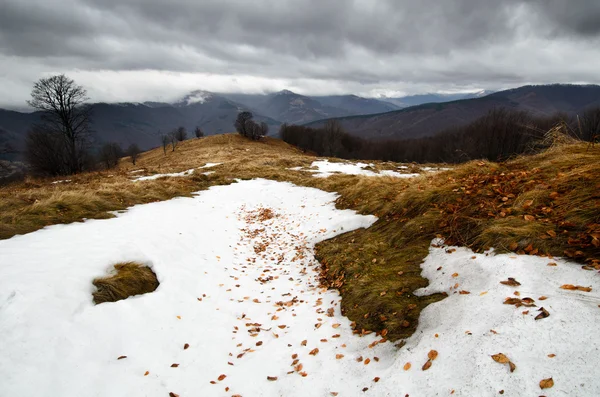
(326, 169)
(157, 176)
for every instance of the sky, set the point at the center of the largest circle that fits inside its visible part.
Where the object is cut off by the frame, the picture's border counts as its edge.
(138, 50)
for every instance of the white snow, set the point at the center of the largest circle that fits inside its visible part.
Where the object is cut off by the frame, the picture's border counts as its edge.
(157, 176)
(61, 181)
(238, 284)
(136, 171)
(326, 169)
(210, 165)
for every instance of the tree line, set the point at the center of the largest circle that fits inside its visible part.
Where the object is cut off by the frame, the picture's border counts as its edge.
(496, 136)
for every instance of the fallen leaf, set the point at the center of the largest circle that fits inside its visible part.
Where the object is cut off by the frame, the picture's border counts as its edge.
(221, 377)
(427, 365)
(174, 365)
(407, 366)
(512, 366)
(367, 361)
(572, 287)
(463, 292)
(314, 351)
(146, 373)
(546, 383)
(186, 346)
(432, 355)
(529, 218)
(455, 275)
(303, 342)
(339, 356)
(272, 378)
(511, 282)
(376, 379)
(552, 264)
(544, 313)
(552, 355)
(336, 325)
(121, 357)
(500, 358)
(171, 394)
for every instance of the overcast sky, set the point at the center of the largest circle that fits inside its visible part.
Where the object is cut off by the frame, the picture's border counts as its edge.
(136, 50)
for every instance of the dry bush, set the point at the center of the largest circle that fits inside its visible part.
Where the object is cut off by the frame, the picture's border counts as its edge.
(130, 279)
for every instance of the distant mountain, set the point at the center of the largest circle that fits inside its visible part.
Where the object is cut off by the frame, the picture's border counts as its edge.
(432, 118)
(140, 123)
(290, 107)
(356, 105)
(415, 100)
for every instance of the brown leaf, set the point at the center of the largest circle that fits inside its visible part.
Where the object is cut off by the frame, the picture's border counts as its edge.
(546, 383)
(336, 325)
(529, 218)
(511, 282)
(407, 366)
(512, 366)
(544, 313)
(146, 373)
(272, 378)
(455, 275)
(427, 365)
(542, 298)
(339, 356)
(500, 358)
(314, 351)
(171, 394)
(186, 346)
(376, 379)
(121, 357)
(576, 288)
(303, 342)
(174, 365)
(432, 355)
(367, 361)
(221, 377)
(552, 355)
(463, 292)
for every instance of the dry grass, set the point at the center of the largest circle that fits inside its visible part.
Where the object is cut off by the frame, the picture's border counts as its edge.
(477, 204)
(129, 279)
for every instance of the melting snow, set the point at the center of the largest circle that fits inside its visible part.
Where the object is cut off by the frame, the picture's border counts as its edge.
(239, 286)
(156, 176)
(326, 169)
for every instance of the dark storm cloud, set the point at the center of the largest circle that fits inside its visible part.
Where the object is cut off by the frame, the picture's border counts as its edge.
(345, 44)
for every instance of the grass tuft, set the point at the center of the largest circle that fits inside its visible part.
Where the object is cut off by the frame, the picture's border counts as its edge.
(129, 279)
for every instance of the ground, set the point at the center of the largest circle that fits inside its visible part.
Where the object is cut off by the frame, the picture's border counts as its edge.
(241, 254)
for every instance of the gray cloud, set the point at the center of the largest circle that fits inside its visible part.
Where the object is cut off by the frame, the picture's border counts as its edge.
(313, 46)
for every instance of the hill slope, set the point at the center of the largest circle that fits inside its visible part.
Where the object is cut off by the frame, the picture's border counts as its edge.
(430, 119)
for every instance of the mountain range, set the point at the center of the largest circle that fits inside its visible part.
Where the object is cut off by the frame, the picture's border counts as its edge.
(432, 118)
(378, 118)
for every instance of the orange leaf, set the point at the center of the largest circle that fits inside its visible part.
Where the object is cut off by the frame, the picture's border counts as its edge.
(546, 383)
(221, 377)
(272, 378)
(339, 356)
(314, 351)
(427, 365)
(432, 355)
(407, 366)
(146, 373)
(500, 358)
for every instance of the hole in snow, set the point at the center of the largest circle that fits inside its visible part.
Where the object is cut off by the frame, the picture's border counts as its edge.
(128, 279)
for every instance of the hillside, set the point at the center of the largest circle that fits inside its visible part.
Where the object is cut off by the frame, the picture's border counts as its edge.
(141, 123)
(430, 119)
(424, 305)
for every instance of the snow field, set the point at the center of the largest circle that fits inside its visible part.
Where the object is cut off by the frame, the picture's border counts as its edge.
(239, 288)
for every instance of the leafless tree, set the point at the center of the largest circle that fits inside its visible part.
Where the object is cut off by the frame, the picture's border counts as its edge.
(173, 139)
(65, 113)
(198, 132)
(243, 123)
(181, 134)
(589, 125)
(165, 140)
(46, 152)
(110, 153)
(133, 151)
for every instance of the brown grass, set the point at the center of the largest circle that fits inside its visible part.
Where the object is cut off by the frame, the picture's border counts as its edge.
(477, 204)
(130, 279)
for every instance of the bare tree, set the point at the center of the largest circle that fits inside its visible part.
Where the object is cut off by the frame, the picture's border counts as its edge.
(65, 113)
(110, 153)
(589, 125)
(180, 134)
(165, 140)
(264, 129)
(173, 139)
(198, 132)
(133, 151)
(46, 151)
(243, 123)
